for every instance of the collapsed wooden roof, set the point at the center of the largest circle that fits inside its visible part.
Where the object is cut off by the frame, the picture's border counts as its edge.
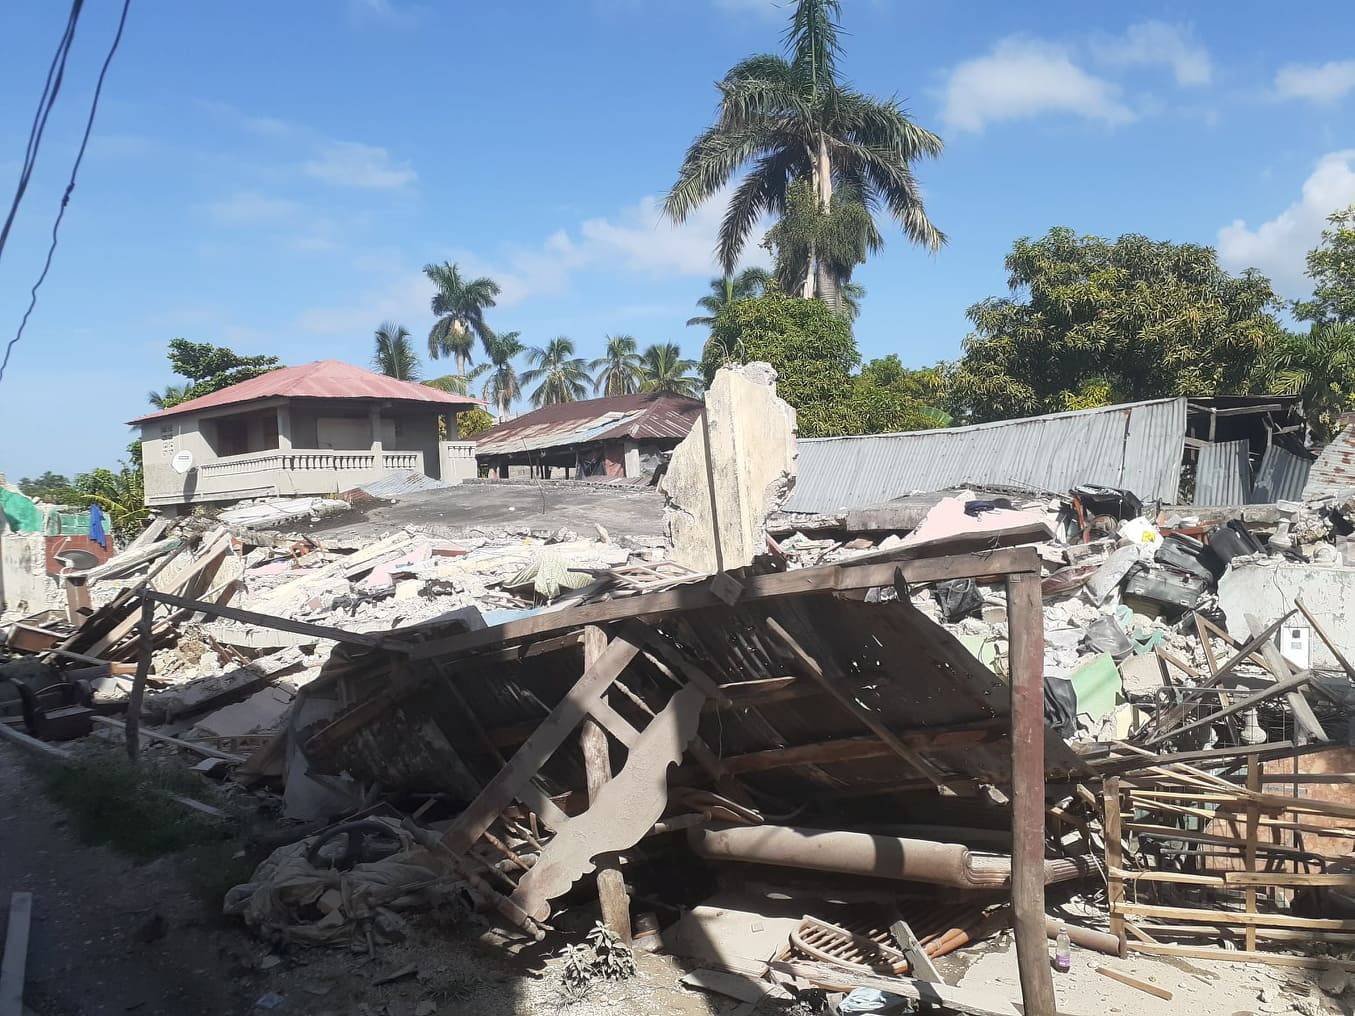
(801, 695)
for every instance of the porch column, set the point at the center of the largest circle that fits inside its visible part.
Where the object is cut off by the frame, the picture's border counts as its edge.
(284, 427)
(449, 422)
(378, 459)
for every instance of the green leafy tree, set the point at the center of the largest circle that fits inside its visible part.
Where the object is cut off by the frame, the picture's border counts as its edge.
(816, 358)
(662, 369)
(558, 374)
(618, 369)
(503, 387)
(459, 304)
(208, 369)
(172, 395)
(472, 422)
(395, 356)
(839, 235)
(54, 488)
(1091, 321)
(1331, 266)
(793, 120)
(120, 493)
(1319, 367)
(725, 290)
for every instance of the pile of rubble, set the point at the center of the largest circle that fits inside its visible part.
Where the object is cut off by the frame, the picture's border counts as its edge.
(864, 743)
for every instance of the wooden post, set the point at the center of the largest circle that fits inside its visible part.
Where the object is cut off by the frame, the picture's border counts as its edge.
(1114, 857)
(1026, 633)
(1253, 820)
(146, 648)
(597, 765)
(16, 955)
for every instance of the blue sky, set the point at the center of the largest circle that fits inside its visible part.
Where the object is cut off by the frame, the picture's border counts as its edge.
(272, 176)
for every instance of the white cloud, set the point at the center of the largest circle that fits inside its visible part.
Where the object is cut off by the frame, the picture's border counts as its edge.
(248, 207)
(267, 126)
(638, 240)
(1153, 43)
(353, 164)
(1024, 77)
(1326, 82)
(1278, 247)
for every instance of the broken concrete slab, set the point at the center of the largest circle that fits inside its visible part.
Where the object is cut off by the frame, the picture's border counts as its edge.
(261, 712)
(735, 467)
(1267, 587)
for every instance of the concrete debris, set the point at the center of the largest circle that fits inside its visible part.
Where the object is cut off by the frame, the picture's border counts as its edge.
(1027, 698)
(734, 467)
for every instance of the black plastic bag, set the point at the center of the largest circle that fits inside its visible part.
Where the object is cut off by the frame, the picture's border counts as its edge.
(958, 598)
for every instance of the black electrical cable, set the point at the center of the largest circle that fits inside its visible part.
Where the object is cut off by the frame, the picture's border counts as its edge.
(75, 169)
(55, 74)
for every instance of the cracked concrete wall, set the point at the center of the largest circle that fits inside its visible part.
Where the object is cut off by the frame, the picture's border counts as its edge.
(1268, 587)
(716, 505)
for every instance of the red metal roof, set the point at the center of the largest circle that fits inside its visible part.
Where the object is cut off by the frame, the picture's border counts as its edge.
(1334, 471)
(323, 379)
(638, 417)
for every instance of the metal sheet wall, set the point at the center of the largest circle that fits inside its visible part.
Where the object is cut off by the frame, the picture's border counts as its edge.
(1136, 446)
(1223, 474)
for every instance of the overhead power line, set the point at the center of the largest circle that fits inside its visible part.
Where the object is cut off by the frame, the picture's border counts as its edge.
(54, 77)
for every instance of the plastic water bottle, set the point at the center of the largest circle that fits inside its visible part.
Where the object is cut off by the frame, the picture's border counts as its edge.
(1063, 952)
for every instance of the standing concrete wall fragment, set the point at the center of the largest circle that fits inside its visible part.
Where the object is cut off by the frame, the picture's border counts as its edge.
(734, 467)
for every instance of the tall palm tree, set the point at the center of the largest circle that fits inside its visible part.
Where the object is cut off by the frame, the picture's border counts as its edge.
(730, 289)
(563, 376)
(1319, 367)
(618, 368)
(459, 305)
(171, 396)
(394, 356)
(793, 120)
(665, 370)
(503, 386)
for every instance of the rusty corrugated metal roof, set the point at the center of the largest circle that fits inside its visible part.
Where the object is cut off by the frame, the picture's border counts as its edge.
(638, 417)
(1334, 470)
(323, 379)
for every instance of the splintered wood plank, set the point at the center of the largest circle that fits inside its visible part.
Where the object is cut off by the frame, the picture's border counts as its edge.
(622, 811)
(543, 742)
(597, 765)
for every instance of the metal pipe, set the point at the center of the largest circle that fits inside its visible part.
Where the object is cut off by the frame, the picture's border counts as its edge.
(853, 853)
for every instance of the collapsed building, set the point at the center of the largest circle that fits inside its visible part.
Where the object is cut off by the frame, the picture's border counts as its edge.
(866, 706)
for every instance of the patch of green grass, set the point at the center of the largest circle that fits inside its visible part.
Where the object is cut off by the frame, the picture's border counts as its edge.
(112, 802)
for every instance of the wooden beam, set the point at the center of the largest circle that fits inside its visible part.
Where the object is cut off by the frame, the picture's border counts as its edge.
(1134, 982)
(825, 672)
(143, 671)
(1242, 956)
(319, 631)
(612, 898)
(500, 791)
(1114, 853)
(200, 749)
(1193, 915)
(16, 954)
(32, 744)
(1025, 629)
(858, 573)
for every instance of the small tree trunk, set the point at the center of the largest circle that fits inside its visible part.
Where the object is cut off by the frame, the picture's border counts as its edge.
(828, 289)
(816, 273)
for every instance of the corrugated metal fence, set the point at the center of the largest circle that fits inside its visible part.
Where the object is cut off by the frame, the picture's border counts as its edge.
(1136, 446)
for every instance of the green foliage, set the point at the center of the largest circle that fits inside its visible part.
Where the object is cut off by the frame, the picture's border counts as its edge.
(1092, 321)
(1319, 367)
(473, 421)
(1331, 266)
(394, 356)
(208, 369)
(121, 495)
(815, 355)
(618, 368)
(503, 386)
(662, 369)
(459, 304)
(836, 239)
(792, 119)
(726, 290)
(128, 807)
(562, 376)
(50, 487)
